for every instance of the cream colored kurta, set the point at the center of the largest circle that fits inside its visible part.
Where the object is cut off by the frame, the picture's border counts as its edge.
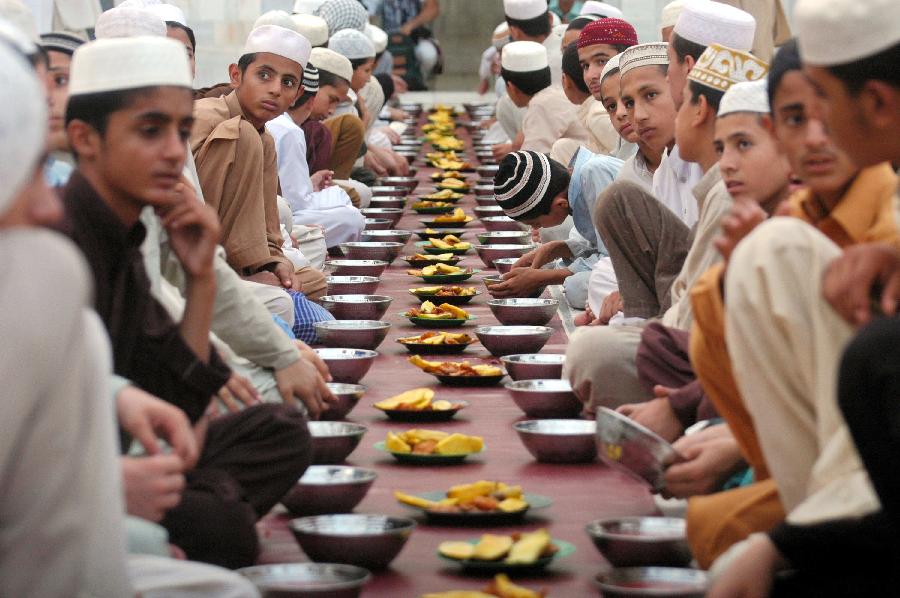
(550, 116)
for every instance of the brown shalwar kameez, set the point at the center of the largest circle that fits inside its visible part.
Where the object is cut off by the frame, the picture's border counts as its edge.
(347, 134)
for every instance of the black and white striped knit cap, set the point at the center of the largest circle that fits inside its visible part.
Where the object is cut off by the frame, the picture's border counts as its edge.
(522, 182)
(310, 79)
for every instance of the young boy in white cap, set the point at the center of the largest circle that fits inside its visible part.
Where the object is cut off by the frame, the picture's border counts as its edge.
(530, 20)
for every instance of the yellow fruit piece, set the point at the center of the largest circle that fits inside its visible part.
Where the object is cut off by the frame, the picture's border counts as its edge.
(457, 312)
(456, 550)
(507, 589)
(434, 340)
(447, 502)
(529, 548)
(459, 594)
(463, 245)
(417, 435)
(459, 444)
(440, 244)
(416, 396)
(442, 405)
(512, 505)
(423, 364)
(396, 444)
(492, 548)
(466, 492)
(414, 501)
(487, 370)
(509, 491)
(446, 269)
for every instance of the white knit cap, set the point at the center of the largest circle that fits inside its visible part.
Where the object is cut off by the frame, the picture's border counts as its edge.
(378, 36)
(17, 14)
(704, 22)
(278, 18)
(313, 28)
(746, 96)
(129, 21)
(352, 43)
(670, 13)
(524, 57)
(643, 55)
(611, 65)
(280, 41)
(23, 123)
(168, 12)
(592, 7)
(307, 7)
(501, 35)
(129, 63)
(834, 32)
(523, 10)
(329, 60)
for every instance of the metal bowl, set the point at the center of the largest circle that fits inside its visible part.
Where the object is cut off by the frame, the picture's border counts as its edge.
(505, 264)
(356, 307)
(506, 340)
(525, 311)
(499, 237)
(372, 250)
(396, 235)
(347, 395)
(545, 399)
(332, 442)
(357, 267)
(484, 181)
(659, 582)
(487, 211)
(307, 580)
(353, 334)
(641, 541)
(388, 190)
(492, 280)
(626, 443)
(534, 366)
(392, 214)
(486, 200)
(370, 541)
(484, 190)
(406, 182)
(378, 223)
(347, 365)
(487, 171)
(326, 489)
(342, 285)
(502, 223)
(559, 440)
(489, 253)
(388, 202)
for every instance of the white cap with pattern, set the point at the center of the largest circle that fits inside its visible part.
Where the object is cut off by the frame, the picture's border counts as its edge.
(280, 41)
(378, 36)
(720, 67)
(352, 43)
(670, 13)
(313, 28)
(275, 17)
(643, 55)
(524, 57)
(129, 21)
(307, 7)
(523, 10)
(329, 60)
(746, 96)
(834, 32)
(592, 7)
(611, 65)
(115, 64)
(704, 22)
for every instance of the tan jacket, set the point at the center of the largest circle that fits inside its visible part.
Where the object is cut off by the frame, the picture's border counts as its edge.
(602, 136)
(550, 116)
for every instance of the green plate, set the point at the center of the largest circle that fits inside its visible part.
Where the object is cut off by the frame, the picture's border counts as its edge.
(439, 323)
(452, 200)
(452, 300)
(426, 459)
(535, 501)
(430, 249)
(440, 234)
(422, 263)
(462, 190)
(433, 224)
(402, 415)
(448, 278)
(564, 549)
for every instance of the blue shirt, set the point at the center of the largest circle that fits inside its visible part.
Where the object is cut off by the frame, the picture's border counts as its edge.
(591, 174)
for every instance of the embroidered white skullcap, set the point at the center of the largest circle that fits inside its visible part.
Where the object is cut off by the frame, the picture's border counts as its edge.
(280, 41)
(313, 28)
(168, 12)
(129, 21)
(15, 37)
(352, 43)
(378, 36)
(17, 14)
(23, 123)
(343, 14)
(329, 60)
(275, 17)
(746, 96)
(834, 32)
(523, 10)
(114, 64)
(307, 7)
(524, 57)
(643, 55)
(592, 7)
(611, 65)
(670, 13)
(704, 23)
(501, 35)
(720, 67)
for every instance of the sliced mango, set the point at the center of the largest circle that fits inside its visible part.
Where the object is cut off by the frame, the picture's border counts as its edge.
(502, 586)
(466, 492)
(416, 396)
(491, 547)
(396, 444)
(457, 550)
(529, 548)
(512, 505)
(457, 312)
(487, 370)
(442, 405)
(414, 501)
(458, 444)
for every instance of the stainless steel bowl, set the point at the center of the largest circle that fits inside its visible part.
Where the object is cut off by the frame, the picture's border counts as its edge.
(388, 202)
(489, 281)
(534, 366)
(347, 395)
(385, 190)
(628, 444)
(378, 223)
(487, 211)
(372, 250)
(502, 237)
(332, 442)
(347, 365)
(487, 171)
(545, 399)
(505, 264)
(353, 334)
(327, 489)
(343, 285)
(486, 200)
(406, 182)
(356, 267)
(659, 582)
(370, 541)
(396, 235)
(489, 253)
(356, 307)
(641, 541)
(392, 214)
(484, 181)
(506, 340)
(307, 580)
(559, 440)
(502, 223)
(524, 311)
(484, 190)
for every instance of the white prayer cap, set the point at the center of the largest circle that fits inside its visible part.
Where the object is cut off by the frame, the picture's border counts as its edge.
(168, 12)
(15, 37)
(670, 13)
(18, 15)
(524, 57)
(129, 21)
(592, 7)
(704, 23)
(329, 60)
(280, 41)
(378, 36)
(834, 32)
(313, 28)
(307, 7)
(611, 65)
(275, 17)
(352, 43)
(643, 55)
(720, 67)
(501, 35)
(523, 10)
(746, 96)
(129, 63)
(343, 14)
(23, 123)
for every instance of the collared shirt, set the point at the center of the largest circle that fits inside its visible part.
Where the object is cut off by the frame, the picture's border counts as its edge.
(591, 174)
(673, 185)
(148, 348)
(602, 136)
(550, 116)
(635, 170)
